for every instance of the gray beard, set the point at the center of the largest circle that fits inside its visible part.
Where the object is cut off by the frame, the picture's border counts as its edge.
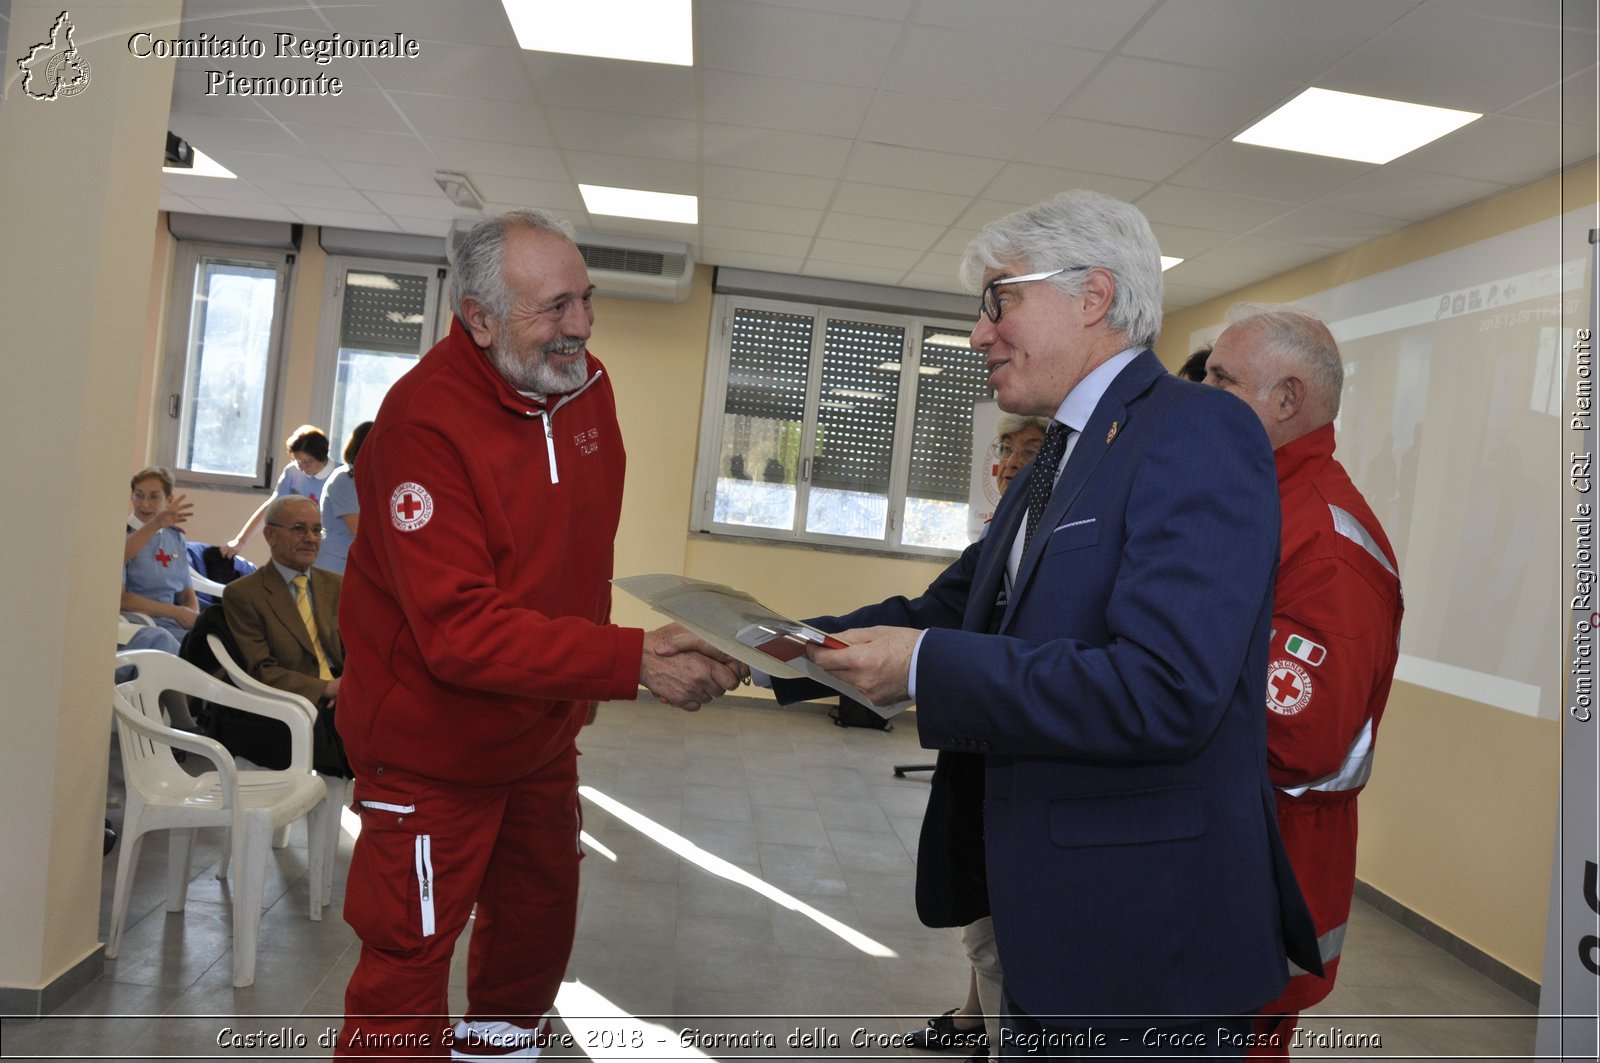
(540, 377)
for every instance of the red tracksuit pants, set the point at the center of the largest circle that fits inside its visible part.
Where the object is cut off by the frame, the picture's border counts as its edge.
(428, 852)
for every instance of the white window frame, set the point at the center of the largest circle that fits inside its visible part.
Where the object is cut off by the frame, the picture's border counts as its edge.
(709, 457)
(434, 327)
(175, 409)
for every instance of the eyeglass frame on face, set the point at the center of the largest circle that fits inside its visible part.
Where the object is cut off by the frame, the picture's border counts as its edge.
(300, 531)
(1002, 450)
(989, 301)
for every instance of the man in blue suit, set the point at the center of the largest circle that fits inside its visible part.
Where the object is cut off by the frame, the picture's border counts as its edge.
(1103, 649)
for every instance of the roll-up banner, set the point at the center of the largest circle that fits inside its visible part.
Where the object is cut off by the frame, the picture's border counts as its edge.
(1569, 996)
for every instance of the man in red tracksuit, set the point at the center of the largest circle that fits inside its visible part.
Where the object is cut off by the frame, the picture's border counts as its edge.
(1336, 628)
(476, 615)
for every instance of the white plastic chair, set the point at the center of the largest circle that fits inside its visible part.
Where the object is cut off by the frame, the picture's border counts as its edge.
(338, 795)
(251, 805)
(205, 585)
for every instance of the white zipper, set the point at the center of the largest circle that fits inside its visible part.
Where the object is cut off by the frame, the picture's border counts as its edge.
(425, 881)
(385, 806)
(550, 446)
(549, 425)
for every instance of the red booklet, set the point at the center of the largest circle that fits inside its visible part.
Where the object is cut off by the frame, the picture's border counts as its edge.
(787, 644)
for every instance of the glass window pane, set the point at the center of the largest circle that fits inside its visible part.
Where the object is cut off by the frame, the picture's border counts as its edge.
(230, 346)
(854, 448)
(763, 419)
(950, 378)
(380, 337)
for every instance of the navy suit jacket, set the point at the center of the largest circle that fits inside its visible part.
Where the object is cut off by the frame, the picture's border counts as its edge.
(1134, 865)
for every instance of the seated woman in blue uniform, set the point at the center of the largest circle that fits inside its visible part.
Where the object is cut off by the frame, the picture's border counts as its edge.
(155, 572)
(155, 566)
(305, 475)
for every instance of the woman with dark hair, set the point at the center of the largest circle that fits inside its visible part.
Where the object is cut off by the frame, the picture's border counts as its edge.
(304, 475)
(341, 513)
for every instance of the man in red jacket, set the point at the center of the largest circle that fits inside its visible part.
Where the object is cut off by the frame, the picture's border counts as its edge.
(1336, 627)
(476, 617)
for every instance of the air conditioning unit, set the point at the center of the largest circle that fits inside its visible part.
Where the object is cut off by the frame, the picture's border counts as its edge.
(622, 266)
(638, 269)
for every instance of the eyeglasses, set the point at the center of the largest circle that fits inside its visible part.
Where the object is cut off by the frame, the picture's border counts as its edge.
(989, 306)
(1005, 451)
(300, 531)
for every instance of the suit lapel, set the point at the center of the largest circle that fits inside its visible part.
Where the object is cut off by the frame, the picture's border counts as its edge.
(990, 577)
(281, 598)
(1108, 421)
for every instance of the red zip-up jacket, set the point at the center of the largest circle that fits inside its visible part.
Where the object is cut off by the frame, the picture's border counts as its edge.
(1335, 641)
(477, 599)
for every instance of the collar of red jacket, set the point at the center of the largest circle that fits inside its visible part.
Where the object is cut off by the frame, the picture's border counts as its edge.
(461, 345)
(1304, 456)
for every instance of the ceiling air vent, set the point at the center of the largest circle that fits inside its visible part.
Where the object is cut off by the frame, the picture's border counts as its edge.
(621, 266)
(638, 269)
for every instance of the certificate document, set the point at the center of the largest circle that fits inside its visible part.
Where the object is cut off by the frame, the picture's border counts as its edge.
(740, 626)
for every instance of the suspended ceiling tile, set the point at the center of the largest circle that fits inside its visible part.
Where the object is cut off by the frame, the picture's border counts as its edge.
(486, 156)
(934, 171)
(996, 71)
(760, 217)
(1118, 150)
(903, 204)
(1096, 24)
(1291, 176)
(1409, 194)
(785, 103)
(780, 152)
(1210, 209)
(1178, 99)
(1451, 60)
(502, 121)
(1336, 230)
(761, 186)
(936, 125)
(788, 42)
(587, 83)
(1022, 182)
(1289, 39)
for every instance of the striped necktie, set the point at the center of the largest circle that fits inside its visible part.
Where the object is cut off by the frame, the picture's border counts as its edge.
(302, 601)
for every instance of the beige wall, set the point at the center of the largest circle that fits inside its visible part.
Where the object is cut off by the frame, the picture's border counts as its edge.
(78, 186)
(1458, 823)
(1438, 834)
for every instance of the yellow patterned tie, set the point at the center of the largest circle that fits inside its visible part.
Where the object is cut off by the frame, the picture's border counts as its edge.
(303, 602)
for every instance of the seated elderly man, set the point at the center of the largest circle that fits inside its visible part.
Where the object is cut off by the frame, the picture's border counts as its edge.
(284, 617)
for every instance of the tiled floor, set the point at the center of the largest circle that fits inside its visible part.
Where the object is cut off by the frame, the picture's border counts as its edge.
(673, 930)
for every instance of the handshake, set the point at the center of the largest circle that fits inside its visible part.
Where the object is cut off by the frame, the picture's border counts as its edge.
(684, 670)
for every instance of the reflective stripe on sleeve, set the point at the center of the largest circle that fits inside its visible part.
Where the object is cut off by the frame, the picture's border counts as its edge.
(1353, 773)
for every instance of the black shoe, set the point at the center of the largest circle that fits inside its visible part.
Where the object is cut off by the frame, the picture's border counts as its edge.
(110, 840)
(941, 1035)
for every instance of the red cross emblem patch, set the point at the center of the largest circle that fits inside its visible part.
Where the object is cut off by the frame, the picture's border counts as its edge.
(1288, 688)
(163, 557)
(410, 506)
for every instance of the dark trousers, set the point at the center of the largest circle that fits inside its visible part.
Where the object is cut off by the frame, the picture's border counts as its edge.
(1023, 1036)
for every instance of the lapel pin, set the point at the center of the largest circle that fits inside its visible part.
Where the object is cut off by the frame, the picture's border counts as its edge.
(1112, 434)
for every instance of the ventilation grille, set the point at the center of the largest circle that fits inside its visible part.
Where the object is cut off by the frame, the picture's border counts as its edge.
(628, 260)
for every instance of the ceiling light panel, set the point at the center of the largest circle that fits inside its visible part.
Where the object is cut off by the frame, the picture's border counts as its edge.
(644, 31)
(1343, 125)
(638, 203)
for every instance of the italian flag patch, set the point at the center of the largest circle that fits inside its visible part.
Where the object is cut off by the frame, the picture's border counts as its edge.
(1303, 648)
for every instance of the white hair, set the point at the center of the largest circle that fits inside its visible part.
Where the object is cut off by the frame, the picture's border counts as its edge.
(1079, 230)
